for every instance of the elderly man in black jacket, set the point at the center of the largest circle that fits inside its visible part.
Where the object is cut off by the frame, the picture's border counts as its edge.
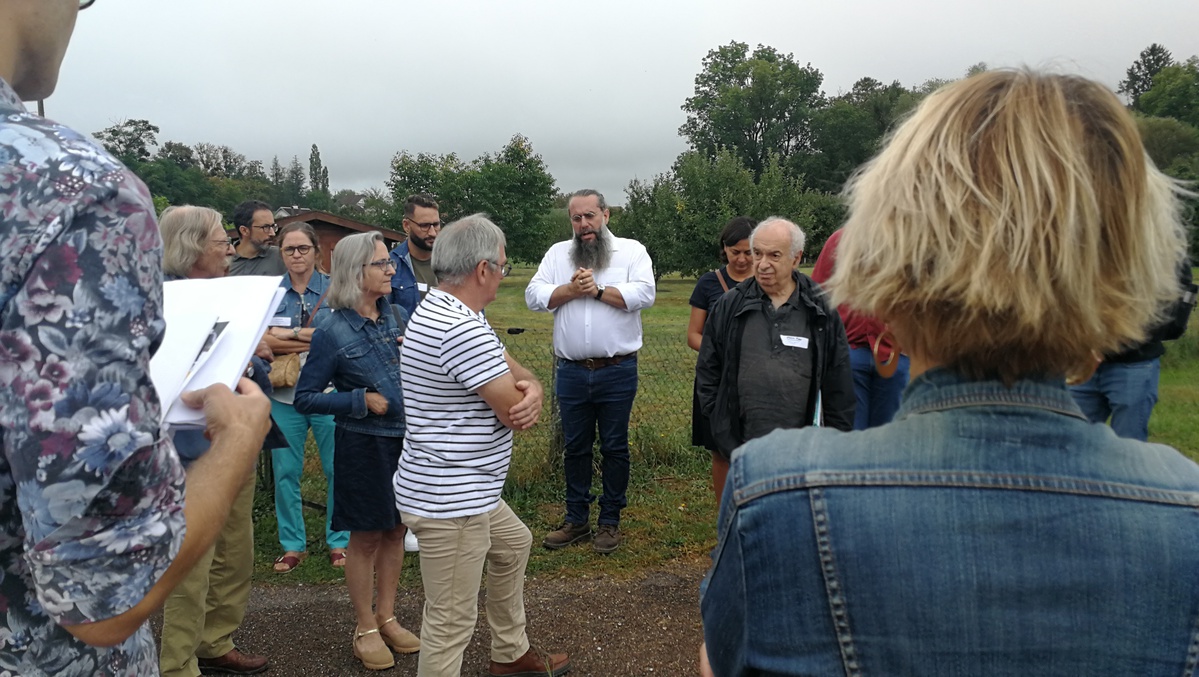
(774, 354)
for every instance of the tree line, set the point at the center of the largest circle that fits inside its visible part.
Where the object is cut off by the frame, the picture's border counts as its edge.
(764, 139)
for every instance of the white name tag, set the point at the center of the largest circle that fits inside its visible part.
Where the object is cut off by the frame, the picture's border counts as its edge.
(283, 321)
(422, 287)
(795, 341)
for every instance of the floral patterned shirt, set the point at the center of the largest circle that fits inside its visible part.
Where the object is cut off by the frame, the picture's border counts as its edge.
(91, 494)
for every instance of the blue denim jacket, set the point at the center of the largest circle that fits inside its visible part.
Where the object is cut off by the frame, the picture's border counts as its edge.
(357, 356)
(986, 531)
(300, 307)
(404, 292)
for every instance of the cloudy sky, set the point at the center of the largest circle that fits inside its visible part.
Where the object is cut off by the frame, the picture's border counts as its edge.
(596, 86)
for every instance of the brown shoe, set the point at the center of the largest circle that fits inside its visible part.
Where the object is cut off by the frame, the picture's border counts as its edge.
(565, 535)
(535, 663)
(607, 539)
(233, 663)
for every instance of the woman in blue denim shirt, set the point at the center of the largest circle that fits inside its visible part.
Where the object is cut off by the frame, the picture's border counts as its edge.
(1012, 229)
(356, 347)
(303, 303)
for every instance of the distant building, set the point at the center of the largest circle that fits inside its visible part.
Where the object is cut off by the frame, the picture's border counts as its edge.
(330, 228)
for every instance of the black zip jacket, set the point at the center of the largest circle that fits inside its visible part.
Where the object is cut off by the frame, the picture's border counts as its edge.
(720, 355)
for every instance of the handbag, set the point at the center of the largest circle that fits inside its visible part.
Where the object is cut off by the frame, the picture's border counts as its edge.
(285, 370)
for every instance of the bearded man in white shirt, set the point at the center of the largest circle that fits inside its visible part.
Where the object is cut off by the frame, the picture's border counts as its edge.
(595, 284)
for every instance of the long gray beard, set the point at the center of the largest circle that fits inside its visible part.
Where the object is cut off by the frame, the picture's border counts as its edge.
(595, 255)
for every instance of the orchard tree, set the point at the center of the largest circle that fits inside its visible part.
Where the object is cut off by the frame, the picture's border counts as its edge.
(756, 105)
(1138, 79)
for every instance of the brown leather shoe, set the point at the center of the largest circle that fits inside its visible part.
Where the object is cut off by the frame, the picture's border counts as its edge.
(233, 663)
(607, 539)
(565, 535)
(535, 663)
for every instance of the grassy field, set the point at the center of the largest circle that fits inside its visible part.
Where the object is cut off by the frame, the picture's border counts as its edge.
(671, 511)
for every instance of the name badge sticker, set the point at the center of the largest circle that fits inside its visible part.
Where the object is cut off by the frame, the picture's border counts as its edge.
(795, 341)
(422, 287)
(283, 321)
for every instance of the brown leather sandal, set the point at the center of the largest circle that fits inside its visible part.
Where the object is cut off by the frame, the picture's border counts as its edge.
(288, 561)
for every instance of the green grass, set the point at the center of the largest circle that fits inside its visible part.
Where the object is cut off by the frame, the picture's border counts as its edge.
(671, 510)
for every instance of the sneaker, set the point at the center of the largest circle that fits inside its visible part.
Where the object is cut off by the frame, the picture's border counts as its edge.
(607, 539)
(410, 544)
(565, 535)
(535, 663)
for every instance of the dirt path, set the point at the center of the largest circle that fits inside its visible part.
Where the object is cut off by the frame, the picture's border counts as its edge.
(647, 625)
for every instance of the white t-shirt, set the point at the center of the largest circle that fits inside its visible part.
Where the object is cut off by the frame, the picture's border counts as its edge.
(456, 451)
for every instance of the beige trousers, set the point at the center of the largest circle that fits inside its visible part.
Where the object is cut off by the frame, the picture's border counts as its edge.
(203, 611)
(452, 553)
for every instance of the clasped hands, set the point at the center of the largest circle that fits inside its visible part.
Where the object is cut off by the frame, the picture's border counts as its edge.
(582, 283)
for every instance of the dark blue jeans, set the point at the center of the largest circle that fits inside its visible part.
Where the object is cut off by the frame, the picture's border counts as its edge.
(587, 399)
(1125, 391)
(877, 398)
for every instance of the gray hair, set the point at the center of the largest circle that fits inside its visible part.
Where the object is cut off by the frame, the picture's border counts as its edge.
(349, 259)
(589, 192)
(185, 236)
(462, 244)
(797, 236)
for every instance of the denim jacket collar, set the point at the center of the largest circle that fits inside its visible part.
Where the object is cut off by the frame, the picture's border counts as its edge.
(357, 321)
(318, 282)
(940, 389)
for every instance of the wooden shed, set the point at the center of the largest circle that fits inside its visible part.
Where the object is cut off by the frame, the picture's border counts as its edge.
(330, 228)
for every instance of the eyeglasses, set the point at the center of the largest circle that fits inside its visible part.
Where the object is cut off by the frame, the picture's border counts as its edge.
(302, 249)
(425, 226)
(224, 242)
(269, 226)
(505, 270)
(84, 4)
(578, 218)
(382, 264)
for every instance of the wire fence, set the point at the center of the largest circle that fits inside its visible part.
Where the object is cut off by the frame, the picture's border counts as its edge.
(660, 424)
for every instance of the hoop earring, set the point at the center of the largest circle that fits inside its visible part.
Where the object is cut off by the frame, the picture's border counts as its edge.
(885, 369)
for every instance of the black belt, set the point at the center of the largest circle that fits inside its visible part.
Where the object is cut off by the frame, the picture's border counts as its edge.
(594, 363)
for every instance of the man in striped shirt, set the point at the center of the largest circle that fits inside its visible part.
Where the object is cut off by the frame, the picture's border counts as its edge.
(463, 397)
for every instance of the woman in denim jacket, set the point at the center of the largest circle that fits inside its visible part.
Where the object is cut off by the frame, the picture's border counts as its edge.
(356, 347)
(1012, 229)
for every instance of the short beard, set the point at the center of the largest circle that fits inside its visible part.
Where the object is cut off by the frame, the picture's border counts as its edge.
(593, 255)
(419, 243)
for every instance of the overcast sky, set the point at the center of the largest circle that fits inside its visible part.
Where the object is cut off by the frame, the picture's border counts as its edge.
(596, 86)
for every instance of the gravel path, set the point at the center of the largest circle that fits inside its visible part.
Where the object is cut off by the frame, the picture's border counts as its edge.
(645, 625)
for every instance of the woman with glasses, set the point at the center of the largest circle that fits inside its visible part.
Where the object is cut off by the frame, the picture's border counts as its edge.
(356, 348)
(303, 303)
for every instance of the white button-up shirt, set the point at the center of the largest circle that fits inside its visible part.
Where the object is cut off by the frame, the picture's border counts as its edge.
(587, 327)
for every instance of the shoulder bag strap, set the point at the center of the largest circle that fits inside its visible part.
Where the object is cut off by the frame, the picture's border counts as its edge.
(720, 277)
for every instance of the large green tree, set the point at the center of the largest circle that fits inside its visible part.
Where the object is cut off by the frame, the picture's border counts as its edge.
(1174, 94)
(513, 186)
(756, 105)
(1138, 79)
(132, 141)
(678, 215)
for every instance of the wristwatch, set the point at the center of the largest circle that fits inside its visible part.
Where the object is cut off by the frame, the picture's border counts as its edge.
(599, 291)
(295, 333)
